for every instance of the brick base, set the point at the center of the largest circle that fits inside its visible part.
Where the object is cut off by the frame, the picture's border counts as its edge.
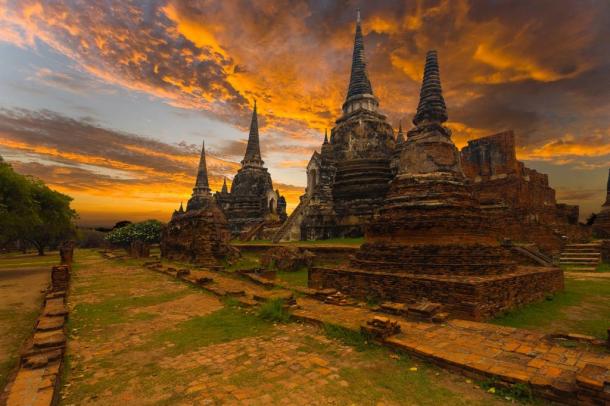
(468, 297)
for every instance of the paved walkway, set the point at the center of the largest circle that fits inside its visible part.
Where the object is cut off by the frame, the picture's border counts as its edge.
(476, 349)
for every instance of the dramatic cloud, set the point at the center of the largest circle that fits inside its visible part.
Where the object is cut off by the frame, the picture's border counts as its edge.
(82, 158)
(539, 68)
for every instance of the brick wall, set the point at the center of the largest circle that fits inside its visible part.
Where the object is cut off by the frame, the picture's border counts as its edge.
(474, 298)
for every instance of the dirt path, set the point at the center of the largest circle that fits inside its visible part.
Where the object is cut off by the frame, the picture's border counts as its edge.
(20, 298)
(142, 338)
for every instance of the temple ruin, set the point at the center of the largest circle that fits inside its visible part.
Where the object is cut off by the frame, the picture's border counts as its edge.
(349, 178)
(431, 241)
(252, 204)
(601, 226)
(519, 199)
(201, 233)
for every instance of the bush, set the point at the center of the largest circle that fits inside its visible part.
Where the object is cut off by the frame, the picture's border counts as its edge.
(148, 231)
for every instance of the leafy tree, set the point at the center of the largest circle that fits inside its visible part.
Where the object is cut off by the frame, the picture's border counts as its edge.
(148, 231)
(31, 212)
(56, 217)
(17, 208)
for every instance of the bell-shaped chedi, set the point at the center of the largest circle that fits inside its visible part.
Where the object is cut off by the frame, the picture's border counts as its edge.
(601, 226)
(430, 240)
(201, 233)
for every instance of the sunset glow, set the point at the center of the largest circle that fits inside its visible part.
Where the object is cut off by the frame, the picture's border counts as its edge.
(109, 101)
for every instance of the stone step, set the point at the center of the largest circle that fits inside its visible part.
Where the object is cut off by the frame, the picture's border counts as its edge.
(586, 259)
(592, 253)
(583, 269)
(579, 258)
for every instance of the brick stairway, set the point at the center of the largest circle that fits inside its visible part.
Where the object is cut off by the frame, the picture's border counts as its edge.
(581, 257)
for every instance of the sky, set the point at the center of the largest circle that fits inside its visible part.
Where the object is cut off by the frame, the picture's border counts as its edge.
(109, 100)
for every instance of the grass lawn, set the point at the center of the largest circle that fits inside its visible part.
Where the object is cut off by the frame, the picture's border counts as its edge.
(294, 278)
(18, 260)
(584, 307)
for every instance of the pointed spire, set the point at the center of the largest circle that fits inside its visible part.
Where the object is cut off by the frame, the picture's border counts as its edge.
(400, 138)
(253, 150)
(201, 184)
(325, 136)
(431, 103)
(225, 189)
(359, 83)
(181, 210)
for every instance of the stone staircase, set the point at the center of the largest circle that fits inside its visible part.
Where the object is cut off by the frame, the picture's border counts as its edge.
(294, 220)
(581, 257)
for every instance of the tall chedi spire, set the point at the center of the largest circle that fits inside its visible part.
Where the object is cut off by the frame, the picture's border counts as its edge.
(253, 150)
(431, 106)
(202, 187)
(360, 92)
(224, 189)
(429, 147)
(201, 192)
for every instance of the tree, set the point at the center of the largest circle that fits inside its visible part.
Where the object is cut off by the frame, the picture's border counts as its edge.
(56, 217)
(148, 231)
(30, 211)
(17, 208)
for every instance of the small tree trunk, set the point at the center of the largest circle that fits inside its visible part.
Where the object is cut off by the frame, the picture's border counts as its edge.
(40, 250)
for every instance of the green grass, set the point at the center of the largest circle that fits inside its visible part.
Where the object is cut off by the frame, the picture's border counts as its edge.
(116, 310)
(18, 260)
(603, 267)
(584, 307)
(246, 261)
(294, 278)
(273, 310)
(226, 324)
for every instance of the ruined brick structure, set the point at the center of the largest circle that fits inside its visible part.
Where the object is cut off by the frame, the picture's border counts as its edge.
(252, 200)
(519, 199)
(201, 233)
(431, 240)
(349, 178)
(601, 226)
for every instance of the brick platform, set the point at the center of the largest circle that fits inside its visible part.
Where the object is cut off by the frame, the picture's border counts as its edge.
(473, 297)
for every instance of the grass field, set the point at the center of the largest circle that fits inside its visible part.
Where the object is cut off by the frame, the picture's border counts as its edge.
(584, 307)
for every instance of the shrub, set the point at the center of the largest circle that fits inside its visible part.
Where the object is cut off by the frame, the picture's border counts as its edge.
(148, 231)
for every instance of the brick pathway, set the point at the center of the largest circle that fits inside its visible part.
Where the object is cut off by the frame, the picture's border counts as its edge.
(123, 360)
(475, 349)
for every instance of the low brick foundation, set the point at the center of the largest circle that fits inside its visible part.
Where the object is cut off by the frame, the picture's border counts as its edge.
(472, 297)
